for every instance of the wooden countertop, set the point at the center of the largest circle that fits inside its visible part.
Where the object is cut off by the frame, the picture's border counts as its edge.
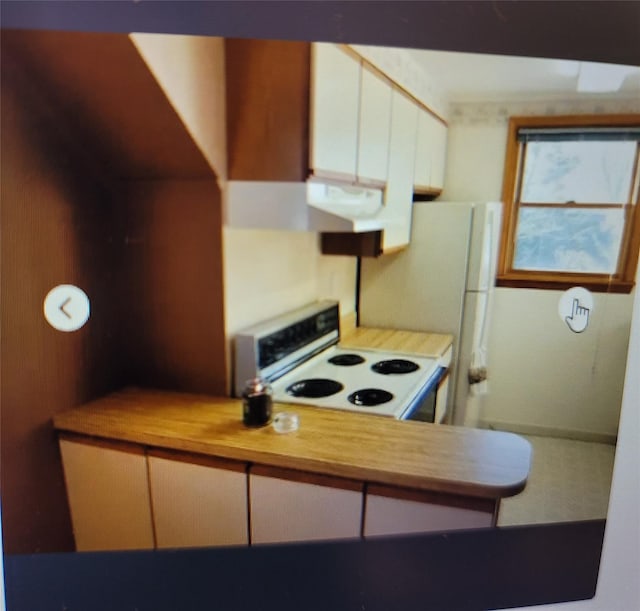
(394, 340)
(455, 460)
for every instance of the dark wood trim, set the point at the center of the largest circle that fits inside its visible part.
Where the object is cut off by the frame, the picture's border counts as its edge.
(267, 97)
(512, 159)
(433, 498)
(367, 244)
(306, 478)
(421, 190)
(600, 120)
(345, 48)
(631, 247)
(518, 281)
(198, 459)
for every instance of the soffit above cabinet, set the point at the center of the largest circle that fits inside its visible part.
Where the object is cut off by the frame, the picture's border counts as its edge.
(102, 94)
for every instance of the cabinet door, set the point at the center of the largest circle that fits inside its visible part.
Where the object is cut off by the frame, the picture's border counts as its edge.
(198, 504)
(419, 512)
(108, 496)
(439, 155)
(375, 127)
(424, 146)
(431, 152)
(399, 192)
(335, 101)
(295, 510)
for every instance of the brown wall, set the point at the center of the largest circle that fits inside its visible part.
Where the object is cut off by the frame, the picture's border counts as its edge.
(173, 293)
(57, 227)
(147, 253)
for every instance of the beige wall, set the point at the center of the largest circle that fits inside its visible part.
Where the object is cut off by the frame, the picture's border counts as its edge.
(268, 272)
(196, 93)
(543, 378)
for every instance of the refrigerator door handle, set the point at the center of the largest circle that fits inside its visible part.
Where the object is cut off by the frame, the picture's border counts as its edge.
(486, 265)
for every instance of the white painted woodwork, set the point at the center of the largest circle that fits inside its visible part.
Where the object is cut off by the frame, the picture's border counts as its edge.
(441, 400)
(197, 505)
(399, 192)
(445, 359)
(335, 101)
(431, 151)
(375, 127)
(284, 510)
(424, 147)
(108, 497)
(388, 516)
(439, 156)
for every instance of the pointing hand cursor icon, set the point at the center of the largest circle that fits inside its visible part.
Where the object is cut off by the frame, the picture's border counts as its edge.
(579, 318)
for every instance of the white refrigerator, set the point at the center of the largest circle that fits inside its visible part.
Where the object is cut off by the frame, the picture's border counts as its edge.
(443, 282)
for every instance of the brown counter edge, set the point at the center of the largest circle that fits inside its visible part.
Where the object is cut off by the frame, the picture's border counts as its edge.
(434, 498)
(257, 459)
(306, 477)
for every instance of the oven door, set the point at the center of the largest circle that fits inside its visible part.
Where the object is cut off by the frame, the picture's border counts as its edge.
(423, 407)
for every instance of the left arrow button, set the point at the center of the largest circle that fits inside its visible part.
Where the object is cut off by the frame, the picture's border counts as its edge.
(66, 307)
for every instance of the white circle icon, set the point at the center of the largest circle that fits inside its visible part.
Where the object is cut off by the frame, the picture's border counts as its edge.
(575, 308)
(66, 307)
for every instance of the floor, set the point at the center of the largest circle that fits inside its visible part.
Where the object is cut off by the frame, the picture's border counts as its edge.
(569, 481)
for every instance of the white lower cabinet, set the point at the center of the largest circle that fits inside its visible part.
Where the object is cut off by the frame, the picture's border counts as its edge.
(122, 499)
(302, 508)
(418, 513)
(108, 496)
(197, 505)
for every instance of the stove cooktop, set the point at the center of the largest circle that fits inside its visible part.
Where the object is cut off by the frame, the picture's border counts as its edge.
(339, 378)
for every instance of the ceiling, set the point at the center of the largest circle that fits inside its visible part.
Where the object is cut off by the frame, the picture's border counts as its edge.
(467, 77)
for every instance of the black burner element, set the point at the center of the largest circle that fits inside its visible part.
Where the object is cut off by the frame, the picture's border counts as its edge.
(314, 388)
(370, 396)
(346, 360)
(395, 366)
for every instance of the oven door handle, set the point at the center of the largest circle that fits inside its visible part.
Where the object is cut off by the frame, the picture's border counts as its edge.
(432, 384)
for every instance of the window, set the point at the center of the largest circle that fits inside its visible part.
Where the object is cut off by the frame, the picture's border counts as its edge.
(571, 203)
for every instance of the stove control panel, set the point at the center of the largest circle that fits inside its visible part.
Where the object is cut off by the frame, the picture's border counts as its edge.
(271, 347)
(278, 345)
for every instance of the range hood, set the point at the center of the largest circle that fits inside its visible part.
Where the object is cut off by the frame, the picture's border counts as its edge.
(313, 205)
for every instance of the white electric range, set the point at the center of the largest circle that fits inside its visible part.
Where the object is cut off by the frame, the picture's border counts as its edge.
(298, 353)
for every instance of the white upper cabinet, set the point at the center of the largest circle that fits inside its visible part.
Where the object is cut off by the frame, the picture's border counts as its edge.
(431, 150)
(399, 192)
(374, 129)
(440, 155)
(424, 144)
(335, 107)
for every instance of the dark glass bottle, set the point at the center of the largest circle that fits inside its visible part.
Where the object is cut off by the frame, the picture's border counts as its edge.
(257, 402)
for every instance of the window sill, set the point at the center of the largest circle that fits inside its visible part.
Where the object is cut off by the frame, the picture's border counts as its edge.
(595, 284)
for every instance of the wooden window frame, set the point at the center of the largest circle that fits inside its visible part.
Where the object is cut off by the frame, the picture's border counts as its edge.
(620, 282)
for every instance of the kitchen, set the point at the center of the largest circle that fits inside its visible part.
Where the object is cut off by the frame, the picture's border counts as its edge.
(294, 273)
